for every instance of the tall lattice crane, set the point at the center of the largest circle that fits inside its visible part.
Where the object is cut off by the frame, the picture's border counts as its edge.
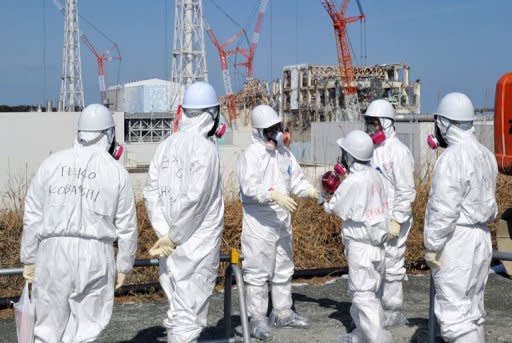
(223, 55)
(110, 54)
(347, 77)
(249, 53)
(71, 96)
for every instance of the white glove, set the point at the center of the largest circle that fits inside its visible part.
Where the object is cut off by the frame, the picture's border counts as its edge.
(394, 229)
(314, 193)
(284, 201)
(432, 260)
(121, 277)
(163, 247)
(28, 272)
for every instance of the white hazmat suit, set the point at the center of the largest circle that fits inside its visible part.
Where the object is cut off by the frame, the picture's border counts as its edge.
(462, 202)
(79, 201)
(184, 200)
(396, 166)
(360, 201)
(266, 227)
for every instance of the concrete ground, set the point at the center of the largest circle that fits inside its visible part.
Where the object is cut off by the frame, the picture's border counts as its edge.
(327, 305)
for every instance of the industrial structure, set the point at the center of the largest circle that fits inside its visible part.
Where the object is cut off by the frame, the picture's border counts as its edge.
(314, 92)
(71, 91)
(109, 55)
(249, 54)
(188, 62)
(226, 77)
(346, 72)
(308, 93)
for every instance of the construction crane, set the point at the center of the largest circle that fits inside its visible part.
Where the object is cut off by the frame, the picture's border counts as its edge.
(249, 53)
(223, 55)
(111, 54)
(347, 77)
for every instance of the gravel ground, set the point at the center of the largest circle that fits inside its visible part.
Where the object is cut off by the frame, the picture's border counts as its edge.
(327, 305)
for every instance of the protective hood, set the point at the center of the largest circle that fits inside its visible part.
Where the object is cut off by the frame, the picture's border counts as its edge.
(358, 166)
(455, 135)
(387, 127)
(88, 136)
(256, 138)
(201, 124)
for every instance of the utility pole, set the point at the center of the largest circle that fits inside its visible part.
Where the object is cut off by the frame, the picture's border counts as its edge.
(71, 90)
(188, 54)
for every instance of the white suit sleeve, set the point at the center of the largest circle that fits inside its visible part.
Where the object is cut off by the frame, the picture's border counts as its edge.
(190, 207)
(405, 192)
(342, 201)
(151, 198)
(249, 170)
(32, 219)
(299, 185)
(126, 227)
(444, 205)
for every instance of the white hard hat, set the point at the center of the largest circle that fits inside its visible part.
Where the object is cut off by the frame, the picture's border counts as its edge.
(264, 116)
(380, 108)
(456, 106)
(199, 95)
(95, 117)
(358, 144)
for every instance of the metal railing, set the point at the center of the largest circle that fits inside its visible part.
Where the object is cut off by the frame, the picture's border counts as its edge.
(433, 327)
(233, 269)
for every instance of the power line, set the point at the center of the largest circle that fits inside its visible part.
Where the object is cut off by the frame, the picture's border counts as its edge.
(271, 35)
(44, 51)
(226, 14)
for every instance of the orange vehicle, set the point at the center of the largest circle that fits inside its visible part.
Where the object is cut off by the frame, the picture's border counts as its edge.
(503, 152)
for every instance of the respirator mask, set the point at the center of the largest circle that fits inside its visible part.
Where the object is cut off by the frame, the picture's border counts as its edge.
(274, 136)
(436, 139)
(375, 130)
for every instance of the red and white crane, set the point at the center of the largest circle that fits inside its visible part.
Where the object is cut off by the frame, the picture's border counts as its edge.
(223, 55)
(249, 53)
(347, 76)
(110, 54)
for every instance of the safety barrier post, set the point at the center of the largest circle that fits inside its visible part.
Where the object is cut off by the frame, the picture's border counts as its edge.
(432, 322)
(233, 268)
(228, 282)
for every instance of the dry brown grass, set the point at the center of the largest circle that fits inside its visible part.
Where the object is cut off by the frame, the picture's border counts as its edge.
(316, 235)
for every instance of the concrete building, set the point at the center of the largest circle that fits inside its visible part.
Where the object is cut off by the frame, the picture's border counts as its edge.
(143, 96)
(309, 93)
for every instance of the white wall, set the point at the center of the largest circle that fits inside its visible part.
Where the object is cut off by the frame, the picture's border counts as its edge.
(27, 138)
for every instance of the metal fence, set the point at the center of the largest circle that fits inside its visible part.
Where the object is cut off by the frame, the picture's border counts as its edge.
(233, 269)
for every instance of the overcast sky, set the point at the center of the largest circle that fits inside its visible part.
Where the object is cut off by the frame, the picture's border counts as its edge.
(450, 45)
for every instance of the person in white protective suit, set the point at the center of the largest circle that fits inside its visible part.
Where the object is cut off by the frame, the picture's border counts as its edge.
(79, 201)
(395, 164)
(461, 203)
(186, 209)
(361, 203)
(268, 174)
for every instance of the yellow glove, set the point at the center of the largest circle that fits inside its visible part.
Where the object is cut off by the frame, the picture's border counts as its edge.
(121, 277)
(284, 201)
(432, 260)
(28, 272)
(314, 193)
(163, 247)
(394, 229)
